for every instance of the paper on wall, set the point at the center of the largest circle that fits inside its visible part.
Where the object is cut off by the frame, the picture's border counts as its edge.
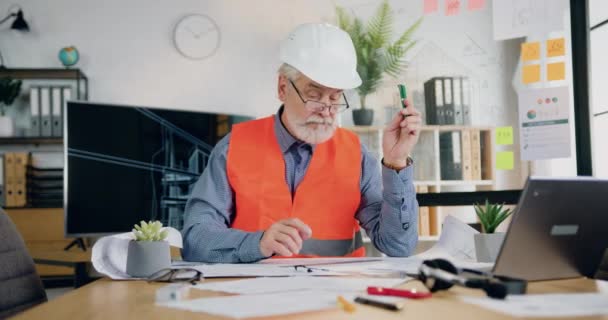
(544, 123)
(109, 256)
(520, 18)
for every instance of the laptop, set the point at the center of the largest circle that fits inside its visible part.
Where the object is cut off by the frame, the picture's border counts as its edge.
(559, 230)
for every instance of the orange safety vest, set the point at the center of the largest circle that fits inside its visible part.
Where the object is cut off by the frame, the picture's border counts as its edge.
(326, 199)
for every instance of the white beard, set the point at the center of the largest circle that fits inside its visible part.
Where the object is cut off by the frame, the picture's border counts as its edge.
(303, 131)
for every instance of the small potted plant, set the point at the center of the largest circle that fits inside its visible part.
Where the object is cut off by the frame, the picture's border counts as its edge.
(377, 54)
(9, 90)
(148, 252)
(488, 242)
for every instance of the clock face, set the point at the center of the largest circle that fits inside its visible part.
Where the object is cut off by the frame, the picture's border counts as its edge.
(196, 36)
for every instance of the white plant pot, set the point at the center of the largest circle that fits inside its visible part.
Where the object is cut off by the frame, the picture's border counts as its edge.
(487, 246)
(6, 126)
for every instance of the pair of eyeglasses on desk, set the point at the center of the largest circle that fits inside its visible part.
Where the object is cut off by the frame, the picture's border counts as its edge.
(176, 275)
(301, 267)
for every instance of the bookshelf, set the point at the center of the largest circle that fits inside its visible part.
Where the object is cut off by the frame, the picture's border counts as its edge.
(473, 159)
(42, 226)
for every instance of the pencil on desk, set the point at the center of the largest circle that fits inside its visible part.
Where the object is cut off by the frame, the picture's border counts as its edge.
(346, 305)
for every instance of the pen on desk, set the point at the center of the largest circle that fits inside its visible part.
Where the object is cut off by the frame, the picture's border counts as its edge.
(345, 305)
(404, 293)
(382, 304)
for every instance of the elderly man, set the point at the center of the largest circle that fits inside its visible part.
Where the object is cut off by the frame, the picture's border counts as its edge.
(293, 184)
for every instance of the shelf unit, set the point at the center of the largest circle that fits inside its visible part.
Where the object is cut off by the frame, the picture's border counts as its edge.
(82, 82)
(427, 161)
(41, 228)
(27, 140)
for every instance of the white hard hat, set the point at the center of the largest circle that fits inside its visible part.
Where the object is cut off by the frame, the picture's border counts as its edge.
(324, 53)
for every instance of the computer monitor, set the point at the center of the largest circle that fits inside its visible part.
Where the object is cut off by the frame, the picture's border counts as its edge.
(559, 230)
(129, 163)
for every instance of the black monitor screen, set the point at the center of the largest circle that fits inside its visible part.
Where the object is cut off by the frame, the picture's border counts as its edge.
(126, 164)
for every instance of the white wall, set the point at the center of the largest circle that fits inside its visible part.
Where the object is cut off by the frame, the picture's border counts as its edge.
(127, 50)
(598, 12)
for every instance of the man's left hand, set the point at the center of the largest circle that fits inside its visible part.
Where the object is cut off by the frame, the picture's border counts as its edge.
(401, 135)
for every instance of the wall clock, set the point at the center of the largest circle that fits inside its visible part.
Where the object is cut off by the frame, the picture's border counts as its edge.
(196, 36)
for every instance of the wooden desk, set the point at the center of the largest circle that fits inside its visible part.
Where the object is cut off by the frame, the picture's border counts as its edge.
(106, 299)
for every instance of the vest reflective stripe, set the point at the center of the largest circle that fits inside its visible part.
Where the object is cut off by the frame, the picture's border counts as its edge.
(326, 202)
(329, 248)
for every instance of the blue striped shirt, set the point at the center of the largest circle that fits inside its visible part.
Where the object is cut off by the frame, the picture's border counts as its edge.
(388, 210)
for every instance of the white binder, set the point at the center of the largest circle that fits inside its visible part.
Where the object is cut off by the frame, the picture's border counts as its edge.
(56, 112)
(34, 130)
(45, 112)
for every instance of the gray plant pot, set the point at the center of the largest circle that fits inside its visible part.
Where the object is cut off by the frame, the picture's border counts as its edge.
(363, 117)
(147, 257)
(487, 246)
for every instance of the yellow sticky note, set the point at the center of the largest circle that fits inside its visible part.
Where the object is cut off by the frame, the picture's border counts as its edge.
(556, 71)
(530, 51)
(504, 135)
(556, 47)
(530, 73)
(504, 160)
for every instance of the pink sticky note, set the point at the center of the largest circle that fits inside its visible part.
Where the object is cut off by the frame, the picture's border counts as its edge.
(476, 4)
(452, 7)
(430, 6)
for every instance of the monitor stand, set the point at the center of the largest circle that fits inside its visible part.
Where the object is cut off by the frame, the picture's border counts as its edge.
(76, 242)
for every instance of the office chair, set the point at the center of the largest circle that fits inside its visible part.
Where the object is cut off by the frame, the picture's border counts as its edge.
(20, 285)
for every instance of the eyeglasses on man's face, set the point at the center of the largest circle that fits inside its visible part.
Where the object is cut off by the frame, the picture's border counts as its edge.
(318, 106)
(176, 275)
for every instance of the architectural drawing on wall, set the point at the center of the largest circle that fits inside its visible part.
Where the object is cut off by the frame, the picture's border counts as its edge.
(472, 48)
(518, 18)
(172, 171)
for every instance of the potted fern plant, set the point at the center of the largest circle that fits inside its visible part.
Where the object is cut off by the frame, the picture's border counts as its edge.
(376, 54)
(148, 252)
(488, 242)
(9, 90)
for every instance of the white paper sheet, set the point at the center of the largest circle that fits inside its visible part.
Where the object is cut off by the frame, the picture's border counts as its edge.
(109, 255)
(270, 285)
(262, 305)
(519, 18)
(228, 270)
(544, 116)
(456, 244)
(547, 305)
(317, 261)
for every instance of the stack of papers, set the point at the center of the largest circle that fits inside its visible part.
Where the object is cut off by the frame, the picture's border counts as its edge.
(271, 285)
(547, 305)
(260, 305)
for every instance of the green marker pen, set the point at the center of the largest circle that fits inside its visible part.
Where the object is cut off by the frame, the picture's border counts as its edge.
(403, 94)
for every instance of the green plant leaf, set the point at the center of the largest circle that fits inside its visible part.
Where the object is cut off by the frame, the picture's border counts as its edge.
(376, 56)
(380, 26)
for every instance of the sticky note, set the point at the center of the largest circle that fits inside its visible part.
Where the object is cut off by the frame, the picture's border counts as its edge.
(504, 160)
(556, 71)
(556, 47)
(504, 135)
(530, 73)
(476, 4)
(452, 7)
(430, 6)
(530, 51)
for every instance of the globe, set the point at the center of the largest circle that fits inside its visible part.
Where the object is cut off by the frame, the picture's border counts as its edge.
(68, 56)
